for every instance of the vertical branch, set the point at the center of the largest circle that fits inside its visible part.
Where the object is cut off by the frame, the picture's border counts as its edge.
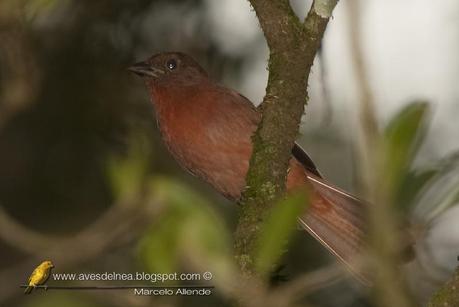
(384, 245)
(369, 132)
(293, 45)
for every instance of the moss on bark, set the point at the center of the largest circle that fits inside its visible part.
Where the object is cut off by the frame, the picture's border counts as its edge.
(448, 295)
(293, 46)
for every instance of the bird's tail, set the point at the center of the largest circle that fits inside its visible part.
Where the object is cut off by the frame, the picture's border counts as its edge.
(336, 219)
(28, 290)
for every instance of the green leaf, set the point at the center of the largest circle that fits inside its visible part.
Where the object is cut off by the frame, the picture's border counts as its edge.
(189, 229)
(127, 174)
(206, 243)
(158, 248)
(277, 229)
(412, 184)
(441, 193)
(401, 140)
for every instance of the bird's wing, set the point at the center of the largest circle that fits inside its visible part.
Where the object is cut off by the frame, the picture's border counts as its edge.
(301, 156)
(246, 101)
(34, 274)
(297, 151)
(46, 276)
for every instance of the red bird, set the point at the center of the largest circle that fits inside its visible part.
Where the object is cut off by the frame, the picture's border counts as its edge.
(208, 127)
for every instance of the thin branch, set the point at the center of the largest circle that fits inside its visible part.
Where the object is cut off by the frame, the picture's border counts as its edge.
(390, 289)
(117, 227)
(369, 132)
(23, 238)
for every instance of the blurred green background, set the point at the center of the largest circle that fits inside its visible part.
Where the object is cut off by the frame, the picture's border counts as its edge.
(68, 106)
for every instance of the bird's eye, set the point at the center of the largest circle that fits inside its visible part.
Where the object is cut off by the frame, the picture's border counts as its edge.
(171, 64)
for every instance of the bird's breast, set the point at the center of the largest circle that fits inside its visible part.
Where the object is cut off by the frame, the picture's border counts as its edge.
(215, 147)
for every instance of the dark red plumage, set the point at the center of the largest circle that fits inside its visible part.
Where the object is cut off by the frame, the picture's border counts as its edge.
(208, 129)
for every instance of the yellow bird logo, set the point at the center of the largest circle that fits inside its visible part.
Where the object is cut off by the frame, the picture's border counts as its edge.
(39, 276)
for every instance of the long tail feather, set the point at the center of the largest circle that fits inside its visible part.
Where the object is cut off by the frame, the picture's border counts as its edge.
(28, 290)
(336, 219)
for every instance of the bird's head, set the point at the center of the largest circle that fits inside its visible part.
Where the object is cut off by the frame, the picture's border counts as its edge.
(170, 69)
(47, 264)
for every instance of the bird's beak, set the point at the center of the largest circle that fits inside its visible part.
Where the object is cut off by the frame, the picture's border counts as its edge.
(144, 69)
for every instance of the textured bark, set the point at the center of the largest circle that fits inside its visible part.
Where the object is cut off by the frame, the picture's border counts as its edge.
(293, 45)
(448, 295)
